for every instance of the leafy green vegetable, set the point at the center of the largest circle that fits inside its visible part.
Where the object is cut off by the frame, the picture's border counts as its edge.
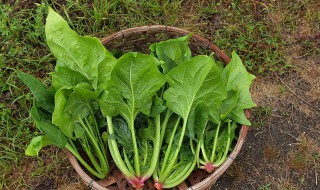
(40, 91)
(134, 82)
(82, 54)
(160, 115)
(173, 52)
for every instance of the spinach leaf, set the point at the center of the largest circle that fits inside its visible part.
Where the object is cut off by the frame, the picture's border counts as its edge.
(63, 76)
(192, 82)
(63, 120)
(135, 80)
(237, 77)
(173, 52)
(43, 97)
(36, 144)
(80, 53)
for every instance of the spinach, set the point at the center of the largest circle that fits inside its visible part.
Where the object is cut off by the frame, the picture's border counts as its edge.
(67, 112)
(135, 79)
(160, 115)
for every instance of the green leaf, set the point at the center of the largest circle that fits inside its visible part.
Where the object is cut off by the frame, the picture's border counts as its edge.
(66, 77)
(78, 131)
(79, 102)
(80, 53)
(123, 134)
(229, 103)
(63, 120)
(201, 115)
(173, 52)
(44, 99)
(39, 115)
(36, 144)
(53, 133)
(237, 77)
(135, 79)
(239, 117)
(158, 106)
(105, 68)
(193, 82)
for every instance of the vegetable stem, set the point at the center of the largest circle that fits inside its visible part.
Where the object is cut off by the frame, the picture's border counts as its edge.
(135, 147)
(166, 157)
(84, 163)
(114, 150)
(102, 158)
(213, 153)
(222, 159)
(175, 156)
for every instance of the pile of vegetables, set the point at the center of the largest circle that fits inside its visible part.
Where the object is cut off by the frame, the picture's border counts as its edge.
(161, 115)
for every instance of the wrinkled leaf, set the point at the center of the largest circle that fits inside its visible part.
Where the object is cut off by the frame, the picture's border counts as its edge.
(122, 134)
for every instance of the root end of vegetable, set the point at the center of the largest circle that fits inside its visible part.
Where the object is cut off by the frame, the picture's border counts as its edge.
(209, 167)
(137, 183)
(158, 186)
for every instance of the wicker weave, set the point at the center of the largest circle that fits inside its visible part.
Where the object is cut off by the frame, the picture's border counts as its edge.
(138, 39)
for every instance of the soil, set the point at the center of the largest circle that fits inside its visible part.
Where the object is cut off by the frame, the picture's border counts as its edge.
(283, 151)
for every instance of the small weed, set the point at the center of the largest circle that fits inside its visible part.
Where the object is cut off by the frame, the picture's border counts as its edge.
(261, 116)
(265, 187)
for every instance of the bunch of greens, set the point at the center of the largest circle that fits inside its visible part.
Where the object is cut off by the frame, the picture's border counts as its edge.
(161, 115)
(67, 113)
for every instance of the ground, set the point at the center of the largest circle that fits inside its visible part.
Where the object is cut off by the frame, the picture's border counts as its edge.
(279, 42)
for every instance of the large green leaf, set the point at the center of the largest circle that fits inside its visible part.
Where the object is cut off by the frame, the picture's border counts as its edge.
(173, 52)
(192, 82)
(80, 53)
(135, 79)
(43, 97)
(237, 77)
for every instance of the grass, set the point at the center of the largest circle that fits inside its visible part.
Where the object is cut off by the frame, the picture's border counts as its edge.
(260, 33)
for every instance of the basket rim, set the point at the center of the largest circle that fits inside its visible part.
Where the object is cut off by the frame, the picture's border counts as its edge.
(122, 34)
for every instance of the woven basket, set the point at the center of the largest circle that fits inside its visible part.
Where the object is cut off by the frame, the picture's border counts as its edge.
(138, 39)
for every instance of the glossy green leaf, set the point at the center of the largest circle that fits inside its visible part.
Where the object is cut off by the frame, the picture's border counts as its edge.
(80, 53)
(193, 82)
(236, 76)
(63, 76)
(135, 79)
(59, 117)
(173, 52)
